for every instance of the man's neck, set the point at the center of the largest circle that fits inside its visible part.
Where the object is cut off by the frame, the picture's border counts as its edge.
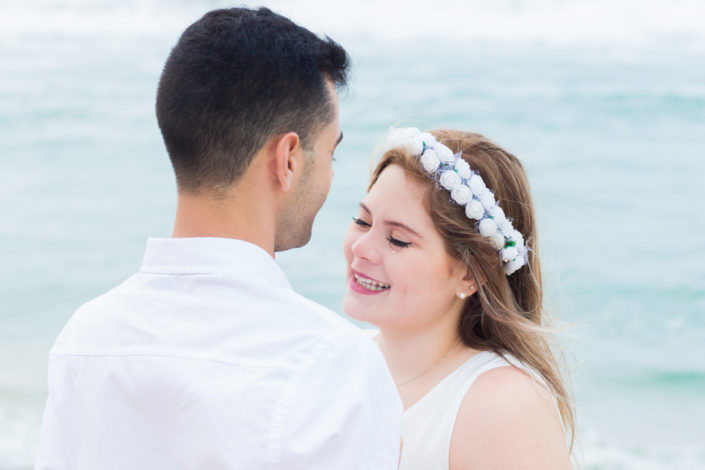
(231, 216)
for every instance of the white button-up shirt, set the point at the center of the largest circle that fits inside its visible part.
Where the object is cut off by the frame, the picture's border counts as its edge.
(207, 359)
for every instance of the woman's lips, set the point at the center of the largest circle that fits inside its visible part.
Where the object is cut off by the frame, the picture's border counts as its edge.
(365, 285)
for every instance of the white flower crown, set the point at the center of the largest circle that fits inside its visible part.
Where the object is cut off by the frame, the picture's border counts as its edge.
(467, 189)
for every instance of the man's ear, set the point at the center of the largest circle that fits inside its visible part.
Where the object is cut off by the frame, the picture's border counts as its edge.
(286, 159)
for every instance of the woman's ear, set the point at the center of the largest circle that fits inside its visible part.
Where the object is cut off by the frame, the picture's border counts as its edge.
(465, 281)
(480, 279)
(287, 159)
(468, 283)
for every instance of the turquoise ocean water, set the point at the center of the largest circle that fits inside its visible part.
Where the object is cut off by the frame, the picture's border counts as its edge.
(603, 101)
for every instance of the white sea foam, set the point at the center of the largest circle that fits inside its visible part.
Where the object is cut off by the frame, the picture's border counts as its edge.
(597, 454)
(545, 21)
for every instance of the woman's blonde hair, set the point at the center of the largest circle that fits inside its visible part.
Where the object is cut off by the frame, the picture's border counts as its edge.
(507, 314)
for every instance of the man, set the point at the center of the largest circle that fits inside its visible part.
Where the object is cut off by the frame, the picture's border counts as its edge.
(206, 358)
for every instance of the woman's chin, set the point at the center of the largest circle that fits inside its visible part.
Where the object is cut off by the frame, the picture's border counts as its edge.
(355, 308)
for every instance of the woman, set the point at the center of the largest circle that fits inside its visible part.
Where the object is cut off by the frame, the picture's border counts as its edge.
(442, 258)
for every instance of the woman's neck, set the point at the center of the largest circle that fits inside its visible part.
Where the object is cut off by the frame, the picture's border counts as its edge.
(409, 354)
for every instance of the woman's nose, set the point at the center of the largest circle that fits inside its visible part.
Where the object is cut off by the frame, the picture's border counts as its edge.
(365, 248)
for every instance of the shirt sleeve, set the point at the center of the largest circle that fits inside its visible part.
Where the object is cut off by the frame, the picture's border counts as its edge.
(50, 453)
(344, 413)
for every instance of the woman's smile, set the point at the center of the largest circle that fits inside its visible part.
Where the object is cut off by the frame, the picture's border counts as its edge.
(363, 284)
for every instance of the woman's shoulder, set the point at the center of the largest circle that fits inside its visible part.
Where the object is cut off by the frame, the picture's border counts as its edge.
(508, 419)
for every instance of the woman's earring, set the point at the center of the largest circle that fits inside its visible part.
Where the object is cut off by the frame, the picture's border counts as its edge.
(462, 295)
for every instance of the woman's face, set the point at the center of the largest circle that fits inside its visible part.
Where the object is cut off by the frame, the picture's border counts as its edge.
(399, 274)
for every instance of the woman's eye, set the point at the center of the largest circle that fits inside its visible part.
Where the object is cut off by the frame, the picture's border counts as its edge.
(361, 222)
(398, 243)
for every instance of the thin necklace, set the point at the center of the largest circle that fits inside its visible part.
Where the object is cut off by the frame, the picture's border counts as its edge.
(433, 366)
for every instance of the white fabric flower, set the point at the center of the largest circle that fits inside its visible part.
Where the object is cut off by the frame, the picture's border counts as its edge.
(509, 253)
(505, 226)
(428, 139)
(516, 236)
(488, 228)
(450, 180)
(463, 168)
(444, 153)
(498, 215)
(498, 241)
(512, 266)
(411, 132)
(430, 160)
(406, 138)
(393, 136)
(461, 194)
(487, 199)
(477, 185)
(393, 140)
(474, 210)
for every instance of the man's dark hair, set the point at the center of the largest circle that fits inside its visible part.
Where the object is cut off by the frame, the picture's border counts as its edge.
(236, 78)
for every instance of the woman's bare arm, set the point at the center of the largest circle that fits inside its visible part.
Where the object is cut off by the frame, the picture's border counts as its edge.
(508, 421)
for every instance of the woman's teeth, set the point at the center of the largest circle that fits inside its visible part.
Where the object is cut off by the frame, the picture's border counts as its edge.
(369, 284)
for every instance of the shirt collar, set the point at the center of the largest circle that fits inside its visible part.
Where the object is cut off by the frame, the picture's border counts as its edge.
(211, 255)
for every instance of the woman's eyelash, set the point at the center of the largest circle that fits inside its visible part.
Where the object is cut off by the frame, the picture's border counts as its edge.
(398, 243)
(361, 222)
(390, 239)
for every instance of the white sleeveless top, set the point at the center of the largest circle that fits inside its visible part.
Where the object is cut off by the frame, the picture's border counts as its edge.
(428, 424)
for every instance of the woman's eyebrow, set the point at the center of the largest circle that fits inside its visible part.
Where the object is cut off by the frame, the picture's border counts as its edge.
(393, 223)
